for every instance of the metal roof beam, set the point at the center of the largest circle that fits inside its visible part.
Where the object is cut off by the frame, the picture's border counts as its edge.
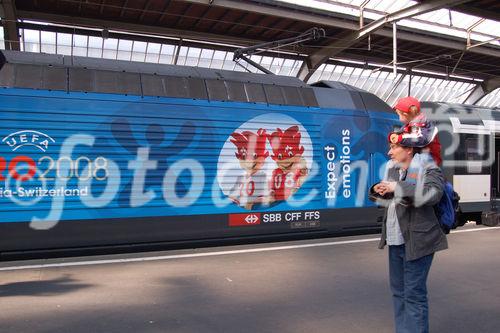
(348, 39)
(206, 45)
(449, 42)
(285, 11)
(325, 20)
(134, 28)
(485, 12)
(320, 17)
(9, 18)
(407, 12)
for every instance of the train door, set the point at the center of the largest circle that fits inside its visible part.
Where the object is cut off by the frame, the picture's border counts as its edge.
(495, 172)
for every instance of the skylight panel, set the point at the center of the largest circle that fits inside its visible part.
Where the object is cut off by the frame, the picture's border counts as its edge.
(64, 43)
(80, 45)
(124, 49)
(31, 40)
(167, 54)
(48, 42)
(356, 2)
(491, 100)
(437, 21)
(153, 53)
(139, 50)
(95, 47)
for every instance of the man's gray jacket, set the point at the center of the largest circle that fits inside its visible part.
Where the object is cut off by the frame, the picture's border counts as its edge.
(414, 208)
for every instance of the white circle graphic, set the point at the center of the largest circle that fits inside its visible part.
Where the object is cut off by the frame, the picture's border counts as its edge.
(260, 183)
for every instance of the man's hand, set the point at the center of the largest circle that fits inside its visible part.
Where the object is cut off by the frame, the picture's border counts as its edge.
(384, 187)
(388, 187)
(379, 188)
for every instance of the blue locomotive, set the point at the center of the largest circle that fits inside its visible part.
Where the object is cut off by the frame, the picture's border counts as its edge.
(102, 153)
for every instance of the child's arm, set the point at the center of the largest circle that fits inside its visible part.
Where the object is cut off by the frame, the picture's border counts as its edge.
(419, 135)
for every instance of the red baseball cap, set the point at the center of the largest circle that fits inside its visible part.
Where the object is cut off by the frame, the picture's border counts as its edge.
(404, 104)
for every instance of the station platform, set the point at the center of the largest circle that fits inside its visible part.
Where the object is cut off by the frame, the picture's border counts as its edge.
(322, 285)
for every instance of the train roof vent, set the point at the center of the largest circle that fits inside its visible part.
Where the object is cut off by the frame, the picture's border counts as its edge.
(80, 74)
(339, 95)
(335, 85)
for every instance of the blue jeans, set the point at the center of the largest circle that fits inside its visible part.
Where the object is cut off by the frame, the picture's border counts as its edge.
(408, 281)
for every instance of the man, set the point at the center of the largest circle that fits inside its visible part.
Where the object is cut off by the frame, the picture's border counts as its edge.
(413, 185)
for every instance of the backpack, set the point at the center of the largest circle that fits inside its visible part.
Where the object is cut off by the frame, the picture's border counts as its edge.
(447, 208)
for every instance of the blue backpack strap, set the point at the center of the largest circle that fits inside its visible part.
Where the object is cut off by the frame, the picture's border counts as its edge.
(445, 209)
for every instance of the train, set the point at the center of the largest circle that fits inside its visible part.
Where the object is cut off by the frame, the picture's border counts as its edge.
(470, 147)
(100, 154)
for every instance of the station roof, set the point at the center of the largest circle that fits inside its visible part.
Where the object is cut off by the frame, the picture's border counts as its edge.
(446, 41)
(255, 21)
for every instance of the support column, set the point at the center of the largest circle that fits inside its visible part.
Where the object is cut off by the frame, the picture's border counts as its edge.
(9, 20)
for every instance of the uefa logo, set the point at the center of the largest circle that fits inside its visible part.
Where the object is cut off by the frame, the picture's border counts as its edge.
(20, 139)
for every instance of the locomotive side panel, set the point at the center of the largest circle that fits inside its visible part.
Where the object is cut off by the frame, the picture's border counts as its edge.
(97, 169)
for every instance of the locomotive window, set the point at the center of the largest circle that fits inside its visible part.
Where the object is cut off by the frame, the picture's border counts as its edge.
(474, 155)
(498, 172)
